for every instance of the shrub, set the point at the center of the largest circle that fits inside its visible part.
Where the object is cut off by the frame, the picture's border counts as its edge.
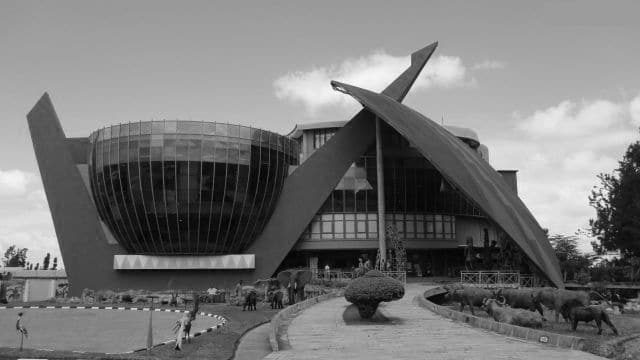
(368, 291)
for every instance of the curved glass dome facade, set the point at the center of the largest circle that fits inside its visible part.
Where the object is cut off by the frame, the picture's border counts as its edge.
(187, 187)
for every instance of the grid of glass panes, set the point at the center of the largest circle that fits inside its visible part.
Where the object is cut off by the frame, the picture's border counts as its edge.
(184, 187)
(365, 226)
(321, 136)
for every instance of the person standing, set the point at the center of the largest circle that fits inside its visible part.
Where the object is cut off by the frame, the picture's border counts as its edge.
(21, 329)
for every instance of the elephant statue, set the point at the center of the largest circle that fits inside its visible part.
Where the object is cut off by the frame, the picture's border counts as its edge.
(294, 281)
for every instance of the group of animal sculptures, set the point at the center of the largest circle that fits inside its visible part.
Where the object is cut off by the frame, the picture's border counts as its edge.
(518, 306)
(290, 282)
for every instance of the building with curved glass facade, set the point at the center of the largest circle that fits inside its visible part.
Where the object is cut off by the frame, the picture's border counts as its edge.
(187, 187)
(190, 204)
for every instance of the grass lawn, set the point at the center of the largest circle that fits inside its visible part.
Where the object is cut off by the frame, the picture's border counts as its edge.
(217, 345)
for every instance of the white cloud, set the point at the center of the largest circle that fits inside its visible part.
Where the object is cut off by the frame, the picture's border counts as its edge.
(560, 151)
(572, 119)
(14, 182)
(489, 65)
(634, 109)
(312, 87)
(25, 220)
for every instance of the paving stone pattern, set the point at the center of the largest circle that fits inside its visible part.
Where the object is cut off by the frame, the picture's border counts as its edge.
(320, 332)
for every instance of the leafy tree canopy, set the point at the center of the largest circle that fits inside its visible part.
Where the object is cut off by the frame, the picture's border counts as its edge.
(617, 203)
(570, 259)
(15, 257)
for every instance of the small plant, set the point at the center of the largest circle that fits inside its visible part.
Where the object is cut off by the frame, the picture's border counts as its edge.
(369, 291)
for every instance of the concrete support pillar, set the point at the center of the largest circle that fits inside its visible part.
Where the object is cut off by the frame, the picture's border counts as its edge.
(382, 240)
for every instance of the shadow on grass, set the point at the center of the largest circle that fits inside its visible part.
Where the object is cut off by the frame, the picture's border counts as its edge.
(352, 317)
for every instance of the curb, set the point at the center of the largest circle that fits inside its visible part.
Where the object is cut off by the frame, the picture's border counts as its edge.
(277, 320)
(222, 320)
(533, 335)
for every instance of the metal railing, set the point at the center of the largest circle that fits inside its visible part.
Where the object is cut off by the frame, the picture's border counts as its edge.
(340, 275)
(490, 278)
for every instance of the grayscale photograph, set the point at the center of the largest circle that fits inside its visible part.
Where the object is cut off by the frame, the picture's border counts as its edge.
(296, 180)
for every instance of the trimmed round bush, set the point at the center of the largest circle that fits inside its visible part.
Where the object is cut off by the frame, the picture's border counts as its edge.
(368, 291)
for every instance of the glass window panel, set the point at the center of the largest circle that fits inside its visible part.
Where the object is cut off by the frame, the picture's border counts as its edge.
(221, 129)
(447, 227)
(169, 147)
(107, 133)
(362, 226)
(327, 235)
(220, 154)
(350, 236)
(209, 128)
(326, 227)
(338, 216)
(233, 151)
(315, 227)
(361, 235)
(349, 201)
(420, 227)
(255, 135)
(350, 227)
(182, 147)
(145, 128)
(124, 130)
(134, 128)
(157, 127)
(234, 130)
(245, 132)
(208, 148)
(326, 217)
(170, 126)
(349, 217)
(115, 131)
(438, 227)
(338, 227)
(195, 147)
(400, 226)
(123, 150)
(245, 154)
(430, 228)
(409, 225)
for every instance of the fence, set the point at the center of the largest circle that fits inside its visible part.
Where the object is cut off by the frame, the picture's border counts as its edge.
(340, 275)
(490, 278)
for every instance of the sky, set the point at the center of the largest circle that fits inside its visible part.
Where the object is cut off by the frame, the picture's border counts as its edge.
(552, 88)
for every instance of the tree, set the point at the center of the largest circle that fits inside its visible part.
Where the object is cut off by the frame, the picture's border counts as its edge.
(37, 266)
(55, 263)
(45, 262)
(617, 204)
(571, 260)
(15, 257)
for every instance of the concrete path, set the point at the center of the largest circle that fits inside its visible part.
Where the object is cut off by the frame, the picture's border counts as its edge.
(320, 332)
(254, 345)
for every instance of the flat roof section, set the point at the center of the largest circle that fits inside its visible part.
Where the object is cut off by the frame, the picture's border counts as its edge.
(457, 131)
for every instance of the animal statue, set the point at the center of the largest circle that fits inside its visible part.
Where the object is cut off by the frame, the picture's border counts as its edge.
(561, 300)
(174, 300)
(471, 296)
(505, 314)
(588, 314)
(520, 299)
(250, 300)
(276, 299)
(294, 281)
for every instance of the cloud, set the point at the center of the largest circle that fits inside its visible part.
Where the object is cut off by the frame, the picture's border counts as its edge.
(25, 220)
(14, 182)
(572, 119)
(560, 151)
(489, 65)
(634, 109)
(312, 87)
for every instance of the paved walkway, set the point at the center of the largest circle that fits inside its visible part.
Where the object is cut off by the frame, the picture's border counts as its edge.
(320, 332)
(254, 345)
